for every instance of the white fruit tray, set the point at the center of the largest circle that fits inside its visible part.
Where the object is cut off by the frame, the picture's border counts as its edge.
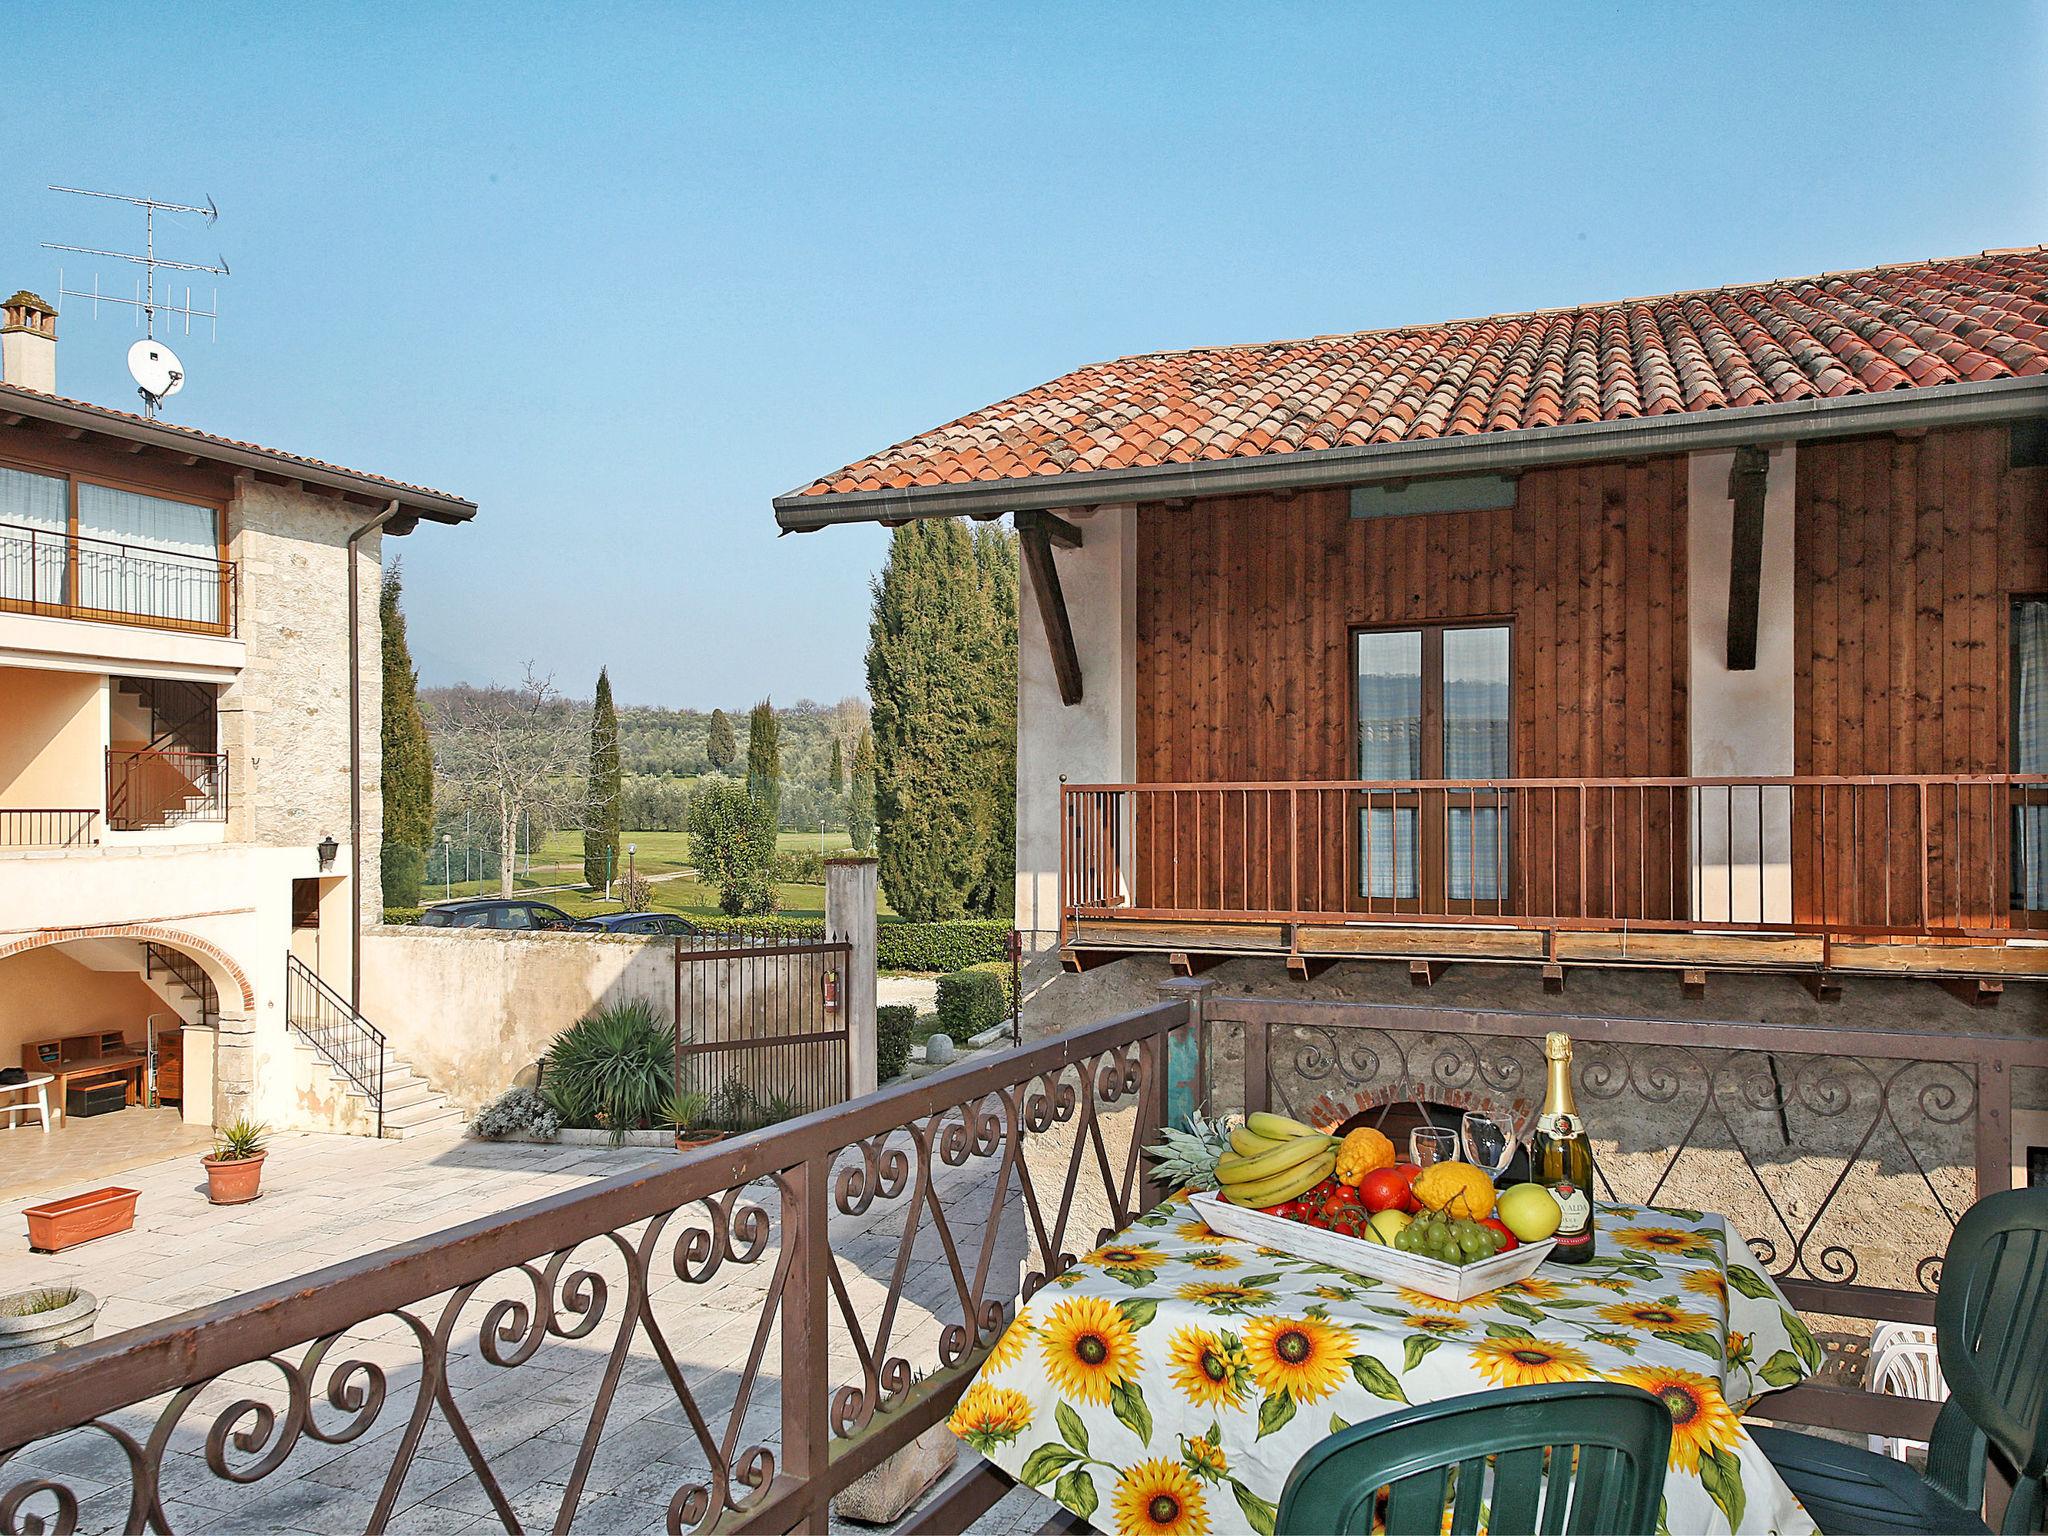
(1376, 1261)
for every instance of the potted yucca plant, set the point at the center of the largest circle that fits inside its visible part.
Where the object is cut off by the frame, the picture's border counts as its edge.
(234, 1169)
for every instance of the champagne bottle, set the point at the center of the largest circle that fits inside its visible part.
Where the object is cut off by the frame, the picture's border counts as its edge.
(1560, 1156)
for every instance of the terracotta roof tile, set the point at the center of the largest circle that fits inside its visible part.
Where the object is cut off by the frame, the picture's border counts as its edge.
(1909, 326)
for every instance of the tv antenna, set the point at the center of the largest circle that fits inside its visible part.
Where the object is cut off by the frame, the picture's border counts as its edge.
(155, 368)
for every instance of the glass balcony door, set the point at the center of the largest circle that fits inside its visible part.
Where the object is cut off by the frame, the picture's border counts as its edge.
(1432, 703)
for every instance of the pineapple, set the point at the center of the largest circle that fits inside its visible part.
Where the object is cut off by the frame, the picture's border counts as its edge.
(1186, 1159)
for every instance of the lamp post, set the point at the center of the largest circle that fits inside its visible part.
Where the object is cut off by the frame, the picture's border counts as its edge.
(447, 866)
(631, 849)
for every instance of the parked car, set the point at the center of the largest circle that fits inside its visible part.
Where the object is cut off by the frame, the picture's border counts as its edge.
(510, 914)
(645, 922)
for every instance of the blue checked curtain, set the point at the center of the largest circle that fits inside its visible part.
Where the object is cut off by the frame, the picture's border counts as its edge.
(2030, 749)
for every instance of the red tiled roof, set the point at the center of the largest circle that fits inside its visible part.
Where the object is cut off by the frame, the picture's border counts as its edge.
(1909, 326)
(126, 424)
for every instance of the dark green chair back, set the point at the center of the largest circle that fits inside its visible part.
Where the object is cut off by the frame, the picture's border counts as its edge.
(1585, 1458)
(1991, 1331)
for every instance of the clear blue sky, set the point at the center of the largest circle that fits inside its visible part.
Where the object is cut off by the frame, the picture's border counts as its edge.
(621, 274)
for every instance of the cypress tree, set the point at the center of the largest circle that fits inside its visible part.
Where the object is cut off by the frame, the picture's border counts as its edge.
(837, 778)
(995, 748)
(927, 684)
(764, 760)
(860, 801)
(605, 789)
(408, 756)
(721, 747)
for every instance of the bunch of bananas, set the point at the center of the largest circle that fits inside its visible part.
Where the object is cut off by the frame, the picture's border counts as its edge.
(1274, 1159)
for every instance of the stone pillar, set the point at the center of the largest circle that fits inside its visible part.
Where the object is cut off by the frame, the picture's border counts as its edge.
(234, 1068)
(851, 887)
(197, 1056)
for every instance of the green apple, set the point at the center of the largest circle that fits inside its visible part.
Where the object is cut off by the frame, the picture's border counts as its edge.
(1530, 1212)
(1385, 1226)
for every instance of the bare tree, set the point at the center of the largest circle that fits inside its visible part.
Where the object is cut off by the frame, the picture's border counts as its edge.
(513, 753)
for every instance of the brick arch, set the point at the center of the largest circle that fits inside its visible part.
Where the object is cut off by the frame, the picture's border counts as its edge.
(177, 938)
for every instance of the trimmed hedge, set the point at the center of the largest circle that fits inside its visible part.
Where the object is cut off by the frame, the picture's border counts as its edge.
(403, 917)
(947, 946)
(894, 1024)
(974, 999)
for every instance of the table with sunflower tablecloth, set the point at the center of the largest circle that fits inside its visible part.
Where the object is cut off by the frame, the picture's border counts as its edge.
(1167, 1383)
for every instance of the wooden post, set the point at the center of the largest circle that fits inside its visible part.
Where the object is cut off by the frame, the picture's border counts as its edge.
(806, 1339)
(1187, 1086)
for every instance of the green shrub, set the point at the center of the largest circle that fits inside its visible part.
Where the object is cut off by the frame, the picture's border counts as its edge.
(942, 947)
(800, 866)
(613, 1068)
(894, 1025)
(732, 842)
(403, 870)
(768, 926)
(973, 1000)
(403, 917)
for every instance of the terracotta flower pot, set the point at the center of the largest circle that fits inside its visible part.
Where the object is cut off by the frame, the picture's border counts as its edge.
(233, 1182)
(693, 1142)
(80, 1218)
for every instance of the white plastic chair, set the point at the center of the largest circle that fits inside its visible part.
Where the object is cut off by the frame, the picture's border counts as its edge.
(1903, 1363)
(39, 1085)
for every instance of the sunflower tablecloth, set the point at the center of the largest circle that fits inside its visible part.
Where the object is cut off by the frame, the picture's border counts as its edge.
(1167, 1384)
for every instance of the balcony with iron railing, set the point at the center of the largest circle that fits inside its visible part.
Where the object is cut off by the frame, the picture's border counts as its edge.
(1900, 872)
(56, 574)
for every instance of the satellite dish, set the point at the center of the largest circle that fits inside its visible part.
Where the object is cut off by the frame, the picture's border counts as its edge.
(155, 369)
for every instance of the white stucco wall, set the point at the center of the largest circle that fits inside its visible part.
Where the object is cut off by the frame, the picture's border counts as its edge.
(1094, 741)
(1741, 722)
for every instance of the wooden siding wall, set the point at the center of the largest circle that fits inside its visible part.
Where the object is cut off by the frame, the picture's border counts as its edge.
(1245, 608)
(1908, 556)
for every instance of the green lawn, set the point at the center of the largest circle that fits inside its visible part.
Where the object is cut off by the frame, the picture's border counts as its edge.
(559, 861)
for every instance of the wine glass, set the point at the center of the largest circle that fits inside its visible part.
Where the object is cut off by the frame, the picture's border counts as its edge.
(1429, 1144)
(1489, 1142)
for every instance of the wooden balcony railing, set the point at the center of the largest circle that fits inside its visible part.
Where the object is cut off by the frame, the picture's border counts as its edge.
(165, 787)
(74, 576)
(1889, 858)
(40, 828)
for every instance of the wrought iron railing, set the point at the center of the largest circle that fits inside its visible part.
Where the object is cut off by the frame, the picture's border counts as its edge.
(1889, 858)
(37, 828)
(1843, 1156)
(759, 1023)
(165, 787)
(76, 576)
(793, 1305)
(351, 1044)
(188, 973)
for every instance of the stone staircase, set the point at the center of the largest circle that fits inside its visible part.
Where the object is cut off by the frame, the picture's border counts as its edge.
(412, 1105)
(352, 1051)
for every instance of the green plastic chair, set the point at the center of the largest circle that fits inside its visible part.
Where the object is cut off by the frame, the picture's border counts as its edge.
(1991, 1333)
(1585, 1458)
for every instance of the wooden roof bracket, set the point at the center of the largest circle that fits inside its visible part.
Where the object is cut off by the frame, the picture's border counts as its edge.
(1747, 480)
(1037, 532)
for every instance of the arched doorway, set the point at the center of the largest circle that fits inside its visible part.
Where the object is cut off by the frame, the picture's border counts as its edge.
(119, 1019)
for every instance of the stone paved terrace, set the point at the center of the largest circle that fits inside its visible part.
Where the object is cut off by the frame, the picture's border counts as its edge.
(333, 1198)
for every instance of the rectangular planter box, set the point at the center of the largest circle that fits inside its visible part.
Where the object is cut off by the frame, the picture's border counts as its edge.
(1446, 1282)
(80, 1218)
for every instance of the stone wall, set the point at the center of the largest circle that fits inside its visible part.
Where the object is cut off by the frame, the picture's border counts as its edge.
(284, 721)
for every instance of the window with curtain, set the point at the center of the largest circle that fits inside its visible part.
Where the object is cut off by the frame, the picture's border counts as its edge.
(148, 555)
(2030, 752)
(1433, 703)
(34, 512)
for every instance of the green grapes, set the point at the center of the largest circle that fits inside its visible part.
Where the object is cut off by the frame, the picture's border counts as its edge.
(1448, 1239)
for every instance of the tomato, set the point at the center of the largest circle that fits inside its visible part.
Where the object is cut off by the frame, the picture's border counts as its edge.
(1343, 1194)
(1410, 1172)
(1385, 1189)
(1507, 1239)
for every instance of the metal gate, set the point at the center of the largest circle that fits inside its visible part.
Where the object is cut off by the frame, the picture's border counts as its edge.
(760, 1027)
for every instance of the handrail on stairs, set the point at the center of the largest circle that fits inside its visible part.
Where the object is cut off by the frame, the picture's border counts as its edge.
(352, 1045)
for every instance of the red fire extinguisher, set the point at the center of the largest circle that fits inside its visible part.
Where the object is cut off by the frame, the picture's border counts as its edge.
(832, 991)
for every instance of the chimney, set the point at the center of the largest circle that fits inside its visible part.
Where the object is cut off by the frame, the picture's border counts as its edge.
(28, 343)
